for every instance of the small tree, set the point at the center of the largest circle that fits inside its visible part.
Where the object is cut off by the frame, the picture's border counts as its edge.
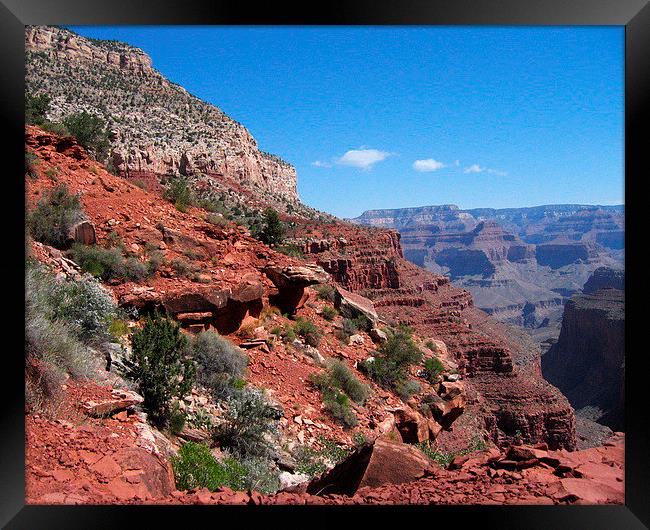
(160, 367)
(36, 108)
(90, 131)
(273, 229)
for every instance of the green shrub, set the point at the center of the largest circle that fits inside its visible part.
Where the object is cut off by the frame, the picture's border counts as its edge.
(338, 384)
(31, 161)
(272, 230)
(248, 419)
(433, 367)
(325, 292)
(86, 308)
(36, 107)
(339, 376)
(392, 361)
(179, 193)
(54, 216)
(308, 331)
(59, 317)
(329, 313)
(291, 250)
(217, 220)
(160, 367)
(337, 404)
(55, 128)
(220, 364)
(195, 467)
(176, 419)
(109, 263)
(90, 131)
(408, 388)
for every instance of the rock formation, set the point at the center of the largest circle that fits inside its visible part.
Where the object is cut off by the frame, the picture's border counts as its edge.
(587, 362)
(158, 128)
(520, 264)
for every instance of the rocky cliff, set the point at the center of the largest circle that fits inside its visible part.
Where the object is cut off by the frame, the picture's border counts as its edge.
(587, 362)
(510, 395)
(158, 128)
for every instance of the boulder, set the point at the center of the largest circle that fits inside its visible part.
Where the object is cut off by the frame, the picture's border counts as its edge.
(119, 400)
(82, 232)
(412, 426)
(352, 305)
(377, 335)
(291, 480)
(356, 340)
(291, 282)
(373, 465)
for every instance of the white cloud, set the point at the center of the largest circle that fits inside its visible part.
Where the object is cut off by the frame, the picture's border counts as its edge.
(474, 168)
(320, 163)
(428, 164)
(362, 158)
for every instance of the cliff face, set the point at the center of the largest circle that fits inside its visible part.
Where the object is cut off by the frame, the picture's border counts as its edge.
(520, 264)
(605, 278)
(159, 129)
(587, 362)
(511, 396)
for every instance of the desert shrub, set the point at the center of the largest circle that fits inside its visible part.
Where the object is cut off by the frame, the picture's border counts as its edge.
(291, 250)
(90, 131)
(308, 331)
(272, 229)
(444, 458)
(288, 335)
(54, 216)
(161, 368)
(118, 328)
(184, 269)
(312, 462)
(248, 420)
(433, 367)
(268, 312)
(329, 313)
(406, 389)
(350, 326)
(86, 308)
(109, 263)
(393, 359)
(258, 474)
(216, 220)
(54, 333)
(55, 128)
(31, 161)
(220, 364)
(195, 467)
(338, 384)
(36, 107)
(177, 419)
(325, 292)
(179, 193)
(338, 375)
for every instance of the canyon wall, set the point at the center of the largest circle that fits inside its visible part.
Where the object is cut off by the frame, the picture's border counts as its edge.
(587, 362)
(158, 128)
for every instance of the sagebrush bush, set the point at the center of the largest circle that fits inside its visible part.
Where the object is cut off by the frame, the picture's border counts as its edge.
(90, 131)
(54, 216)
(337, 404)
(308, 331)
(220, 364)
(161, 367)
(325, 292)
(338, 375)
(393, 359)
(248, 420)
(109, 263)
(329, 313)
(61, 317)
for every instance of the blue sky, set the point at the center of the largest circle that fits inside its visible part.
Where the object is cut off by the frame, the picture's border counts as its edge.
(389, 117)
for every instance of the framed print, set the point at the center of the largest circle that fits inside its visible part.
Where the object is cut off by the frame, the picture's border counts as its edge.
(365, 258)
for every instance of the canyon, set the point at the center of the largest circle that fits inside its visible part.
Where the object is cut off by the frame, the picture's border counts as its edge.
(520, 264)
(414, 269)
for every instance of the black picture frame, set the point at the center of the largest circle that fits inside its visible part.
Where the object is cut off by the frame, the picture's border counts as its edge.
(15, 14)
